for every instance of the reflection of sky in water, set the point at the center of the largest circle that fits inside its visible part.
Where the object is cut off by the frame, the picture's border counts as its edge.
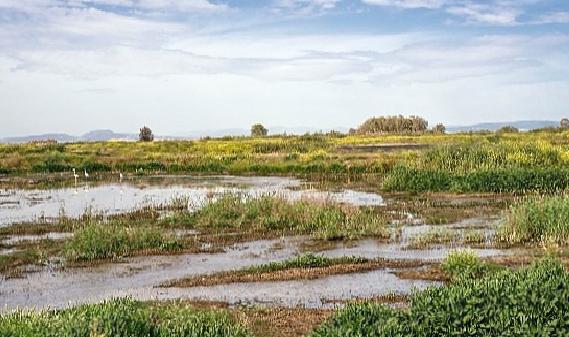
(25, 205)
(139, 277)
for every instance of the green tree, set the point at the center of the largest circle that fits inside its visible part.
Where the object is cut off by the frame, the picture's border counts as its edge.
(146, 135)
(439, 129)
(258, 130)
(394, 125)
(507, 129)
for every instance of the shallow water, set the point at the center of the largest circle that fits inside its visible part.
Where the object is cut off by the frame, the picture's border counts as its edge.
(73, 200)
(139, 277)
(318, 293)
(376, 249)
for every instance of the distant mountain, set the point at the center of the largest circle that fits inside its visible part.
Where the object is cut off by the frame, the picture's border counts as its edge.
(92, 136)
(105, 135)
(492, 126)
(60, 137)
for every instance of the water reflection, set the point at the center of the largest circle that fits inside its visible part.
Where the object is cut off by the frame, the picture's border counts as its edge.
(18, 205)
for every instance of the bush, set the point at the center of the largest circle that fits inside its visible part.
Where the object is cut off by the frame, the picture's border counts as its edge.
(394, 125)
(530, 302)
(146, 135)
(258, 130)
(507, 129)
(466, 264)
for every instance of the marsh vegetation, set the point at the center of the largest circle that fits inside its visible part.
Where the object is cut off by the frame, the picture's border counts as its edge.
(462, 214)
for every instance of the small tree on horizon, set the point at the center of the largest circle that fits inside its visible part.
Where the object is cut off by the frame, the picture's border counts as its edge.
(564, 123)
(146, 135)
(258, 130)
(440, 129)
(507, 129)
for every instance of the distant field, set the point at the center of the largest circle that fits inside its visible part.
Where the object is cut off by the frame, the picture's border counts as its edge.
(455, 162)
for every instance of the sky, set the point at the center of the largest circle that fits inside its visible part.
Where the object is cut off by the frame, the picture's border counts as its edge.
(71, 66)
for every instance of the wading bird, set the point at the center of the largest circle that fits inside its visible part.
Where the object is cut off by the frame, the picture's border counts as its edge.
(86, 174)
(75, 175)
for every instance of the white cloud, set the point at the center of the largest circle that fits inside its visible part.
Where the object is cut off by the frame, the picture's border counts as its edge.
(487, 14)
(303, 7)
(382, 60)
(556, 17)
(151, 5)
(409, 3)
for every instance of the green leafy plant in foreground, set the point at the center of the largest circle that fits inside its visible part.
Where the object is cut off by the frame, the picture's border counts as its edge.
(533, 301)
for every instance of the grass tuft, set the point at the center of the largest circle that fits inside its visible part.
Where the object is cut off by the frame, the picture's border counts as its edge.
(108, 241)
(538, 220)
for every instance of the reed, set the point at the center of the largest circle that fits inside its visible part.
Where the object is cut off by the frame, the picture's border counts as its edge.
(538, 220)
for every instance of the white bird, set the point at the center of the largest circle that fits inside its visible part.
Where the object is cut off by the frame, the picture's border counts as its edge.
(120, 176)
(75, 175)
(86, 174)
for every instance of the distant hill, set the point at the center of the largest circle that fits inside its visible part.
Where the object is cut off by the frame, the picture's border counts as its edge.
(492, 126)
(104, 135)
(92, 136)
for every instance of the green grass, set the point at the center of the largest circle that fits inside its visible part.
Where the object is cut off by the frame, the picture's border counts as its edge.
(437, 236)
(529, 302)
(104, 241)
(234, 211)
(305, 261)
(461, 264)
(510, 165)
(538, 220)
(122, 318)
(535, 161)
(499, 180)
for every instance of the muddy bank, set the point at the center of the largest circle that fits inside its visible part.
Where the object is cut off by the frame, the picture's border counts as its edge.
(310, 273)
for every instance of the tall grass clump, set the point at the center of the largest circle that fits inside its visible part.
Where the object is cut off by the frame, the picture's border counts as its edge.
(104, 241)
(461, 264)
(533, 301)
(500, 180)
(121, 318)
(542, 219)
(274, 213)
(463, 158)
(509, 166)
